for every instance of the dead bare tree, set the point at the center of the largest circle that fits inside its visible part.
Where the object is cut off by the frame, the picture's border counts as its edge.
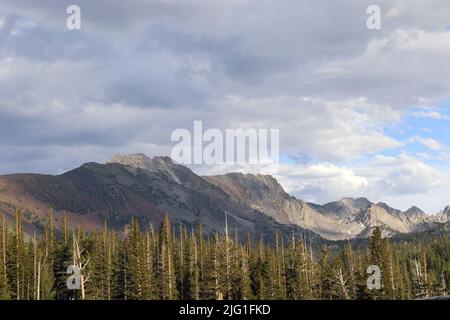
(81, 262)
(342, 282)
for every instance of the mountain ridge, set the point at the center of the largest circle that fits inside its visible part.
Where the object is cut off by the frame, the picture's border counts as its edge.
(151, 187)
(338, 220)
(93, 193)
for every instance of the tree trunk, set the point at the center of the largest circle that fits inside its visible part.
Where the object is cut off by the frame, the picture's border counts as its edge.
(38, 293)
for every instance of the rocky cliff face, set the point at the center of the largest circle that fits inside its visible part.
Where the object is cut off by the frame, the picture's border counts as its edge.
(265, 194)
(348, 207)
(443, 216)
(343, 219)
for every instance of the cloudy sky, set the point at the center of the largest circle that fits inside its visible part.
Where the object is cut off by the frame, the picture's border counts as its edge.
(360, 112)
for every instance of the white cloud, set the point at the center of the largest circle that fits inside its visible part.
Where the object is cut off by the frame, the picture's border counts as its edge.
(435, 115)
(328, 130)
(398, 180)
(393, 12)
(321, 182)
(402, 174)
(429, 143)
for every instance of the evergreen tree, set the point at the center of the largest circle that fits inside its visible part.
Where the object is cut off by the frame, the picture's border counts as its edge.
(46, 280)
(134, 262)
(59, 261)
(164, 265)
(278, 269)
(193, 270)
(147, 251)
(165, 262)
(350, 271)
(244, 285)
(325, 275)
(212, 282)
(4, 286)
(376, 259)
(389, 280)
(16, 264)
(181, 268)
(260, 273)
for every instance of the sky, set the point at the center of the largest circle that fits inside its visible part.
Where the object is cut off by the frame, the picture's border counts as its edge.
(360, 112)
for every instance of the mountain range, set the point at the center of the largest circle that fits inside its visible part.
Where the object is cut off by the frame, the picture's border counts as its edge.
(149, 188)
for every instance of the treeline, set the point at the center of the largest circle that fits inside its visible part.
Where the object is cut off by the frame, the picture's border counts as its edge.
(163, 264)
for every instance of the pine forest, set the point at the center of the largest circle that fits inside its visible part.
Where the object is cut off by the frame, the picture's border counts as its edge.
(171, 261)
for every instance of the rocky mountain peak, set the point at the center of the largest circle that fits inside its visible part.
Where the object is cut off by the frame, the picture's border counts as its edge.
(414, 211)
(443, 216)
(264, 181)
(141, 161)
(360, 203)
(347, 207)
(447, 210)
(389, 219)
(388, 209)
(248, 187)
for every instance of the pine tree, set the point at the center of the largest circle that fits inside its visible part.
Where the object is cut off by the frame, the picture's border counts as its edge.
(121, 273)
(260, 273)
(148, 275)
(278, 272)
(99, 267)
(227, 261)
(271, 281)
(213, 279)
(325, 275)
(388, 272)
(244, 286)
(181, 268)
(165, 262)
(16, 267)
(419, 276)
(45, 280)
(133, 262)
(59, 261)
(376, 259)
(194, 270)
(4, 286)
(36, 271)
(376, 247)
(350, 270)
(298, 271)
(201, 258)
(50, 238)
